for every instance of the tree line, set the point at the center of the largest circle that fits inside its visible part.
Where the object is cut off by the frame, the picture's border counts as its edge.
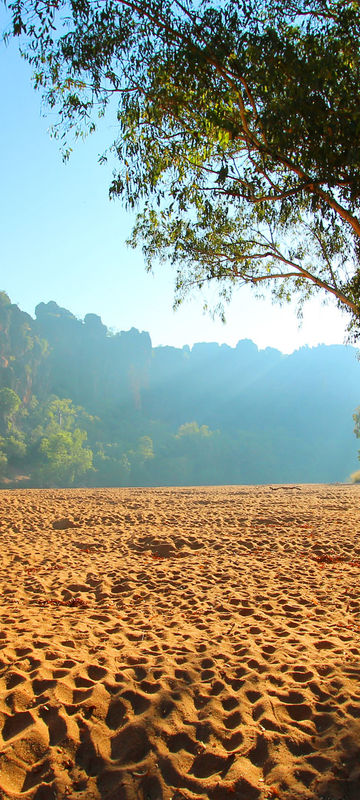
(80, 405)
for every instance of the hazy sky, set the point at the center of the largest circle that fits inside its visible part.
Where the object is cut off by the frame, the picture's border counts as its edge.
(63, 240)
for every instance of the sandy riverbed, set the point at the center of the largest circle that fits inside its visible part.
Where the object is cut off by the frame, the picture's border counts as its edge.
(180, 643)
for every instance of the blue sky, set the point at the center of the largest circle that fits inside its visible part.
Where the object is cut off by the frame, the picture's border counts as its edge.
(63, 240)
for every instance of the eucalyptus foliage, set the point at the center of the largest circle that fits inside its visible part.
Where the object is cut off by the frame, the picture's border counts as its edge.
(237, 130)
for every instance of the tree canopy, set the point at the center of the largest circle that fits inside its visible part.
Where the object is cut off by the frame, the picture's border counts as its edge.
(237, 130)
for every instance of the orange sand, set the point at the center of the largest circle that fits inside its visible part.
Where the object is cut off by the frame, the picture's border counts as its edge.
(180, 643)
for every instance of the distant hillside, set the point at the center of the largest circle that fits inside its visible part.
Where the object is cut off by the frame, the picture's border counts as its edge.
(82, 406)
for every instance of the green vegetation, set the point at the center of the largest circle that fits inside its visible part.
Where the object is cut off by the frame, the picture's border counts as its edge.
(80, 406)
(9, 405)
(238, 130)
(355, 477)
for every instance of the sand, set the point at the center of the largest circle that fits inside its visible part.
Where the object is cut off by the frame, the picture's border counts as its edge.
(180, 643)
